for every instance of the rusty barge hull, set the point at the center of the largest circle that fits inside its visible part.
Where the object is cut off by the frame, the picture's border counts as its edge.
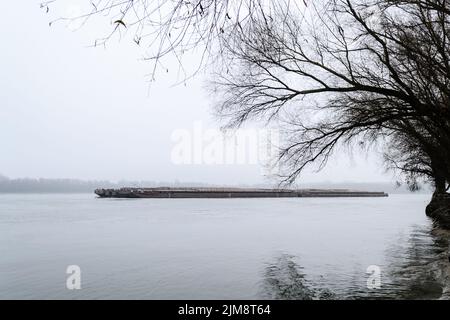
(231, 193)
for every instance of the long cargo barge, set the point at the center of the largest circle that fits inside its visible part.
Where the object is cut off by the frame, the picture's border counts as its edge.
(231, 193)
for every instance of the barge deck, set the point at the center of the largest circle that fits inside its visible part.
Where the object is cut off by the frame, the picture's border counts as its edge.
(231, 193)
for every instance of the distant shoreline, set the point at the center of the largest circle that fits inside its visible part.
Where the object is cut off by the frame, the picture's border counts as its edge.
(55, 186)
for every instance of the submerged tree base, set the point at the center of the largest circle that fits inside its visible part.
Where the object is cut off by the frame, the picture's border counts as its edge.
(439, 209)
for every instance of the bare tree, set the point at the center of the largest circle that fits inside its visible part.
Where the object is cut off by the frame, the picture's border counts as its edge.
(367, 70)
(165, 27)
(337, 72)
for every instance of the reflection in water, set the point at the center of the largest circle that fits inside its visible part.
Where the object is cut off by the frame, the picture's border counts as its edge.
(419, 269)
(284, 279)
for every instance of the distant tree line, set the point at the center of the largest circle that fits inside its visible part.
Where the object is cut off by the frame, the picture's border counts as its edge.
(41, 185)
(29, 185)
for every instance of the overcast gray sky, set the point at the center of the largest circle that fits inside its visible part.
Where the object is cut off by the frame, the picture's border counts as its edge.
(77, 112)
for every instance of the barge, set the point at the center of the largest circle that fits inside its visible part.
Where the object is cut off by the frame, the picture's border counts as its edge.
(164, 192)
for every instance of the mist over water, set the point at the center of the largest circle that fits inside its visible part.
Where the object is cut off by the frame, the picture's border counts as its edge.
(293, 248)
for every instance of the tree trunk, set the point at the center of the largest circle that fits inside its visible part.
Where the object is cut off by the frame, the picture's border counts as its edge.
(439, 207)
(439, 183)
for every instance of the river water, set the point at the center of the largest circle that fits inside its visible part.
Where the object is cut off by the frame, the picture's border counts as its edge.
(292, 248)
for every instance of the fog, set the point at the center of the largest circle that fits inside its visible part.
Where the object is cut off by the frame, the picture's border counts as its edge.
(73, 111)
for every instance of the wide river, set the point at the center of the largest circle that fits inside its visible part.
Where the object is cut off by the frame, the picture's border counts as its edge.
(293, 248)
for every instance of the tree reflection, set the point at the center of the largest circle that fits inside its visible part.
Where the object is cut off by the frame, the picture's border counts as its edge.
(415, 269)
(421, 269)
(284, 279)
